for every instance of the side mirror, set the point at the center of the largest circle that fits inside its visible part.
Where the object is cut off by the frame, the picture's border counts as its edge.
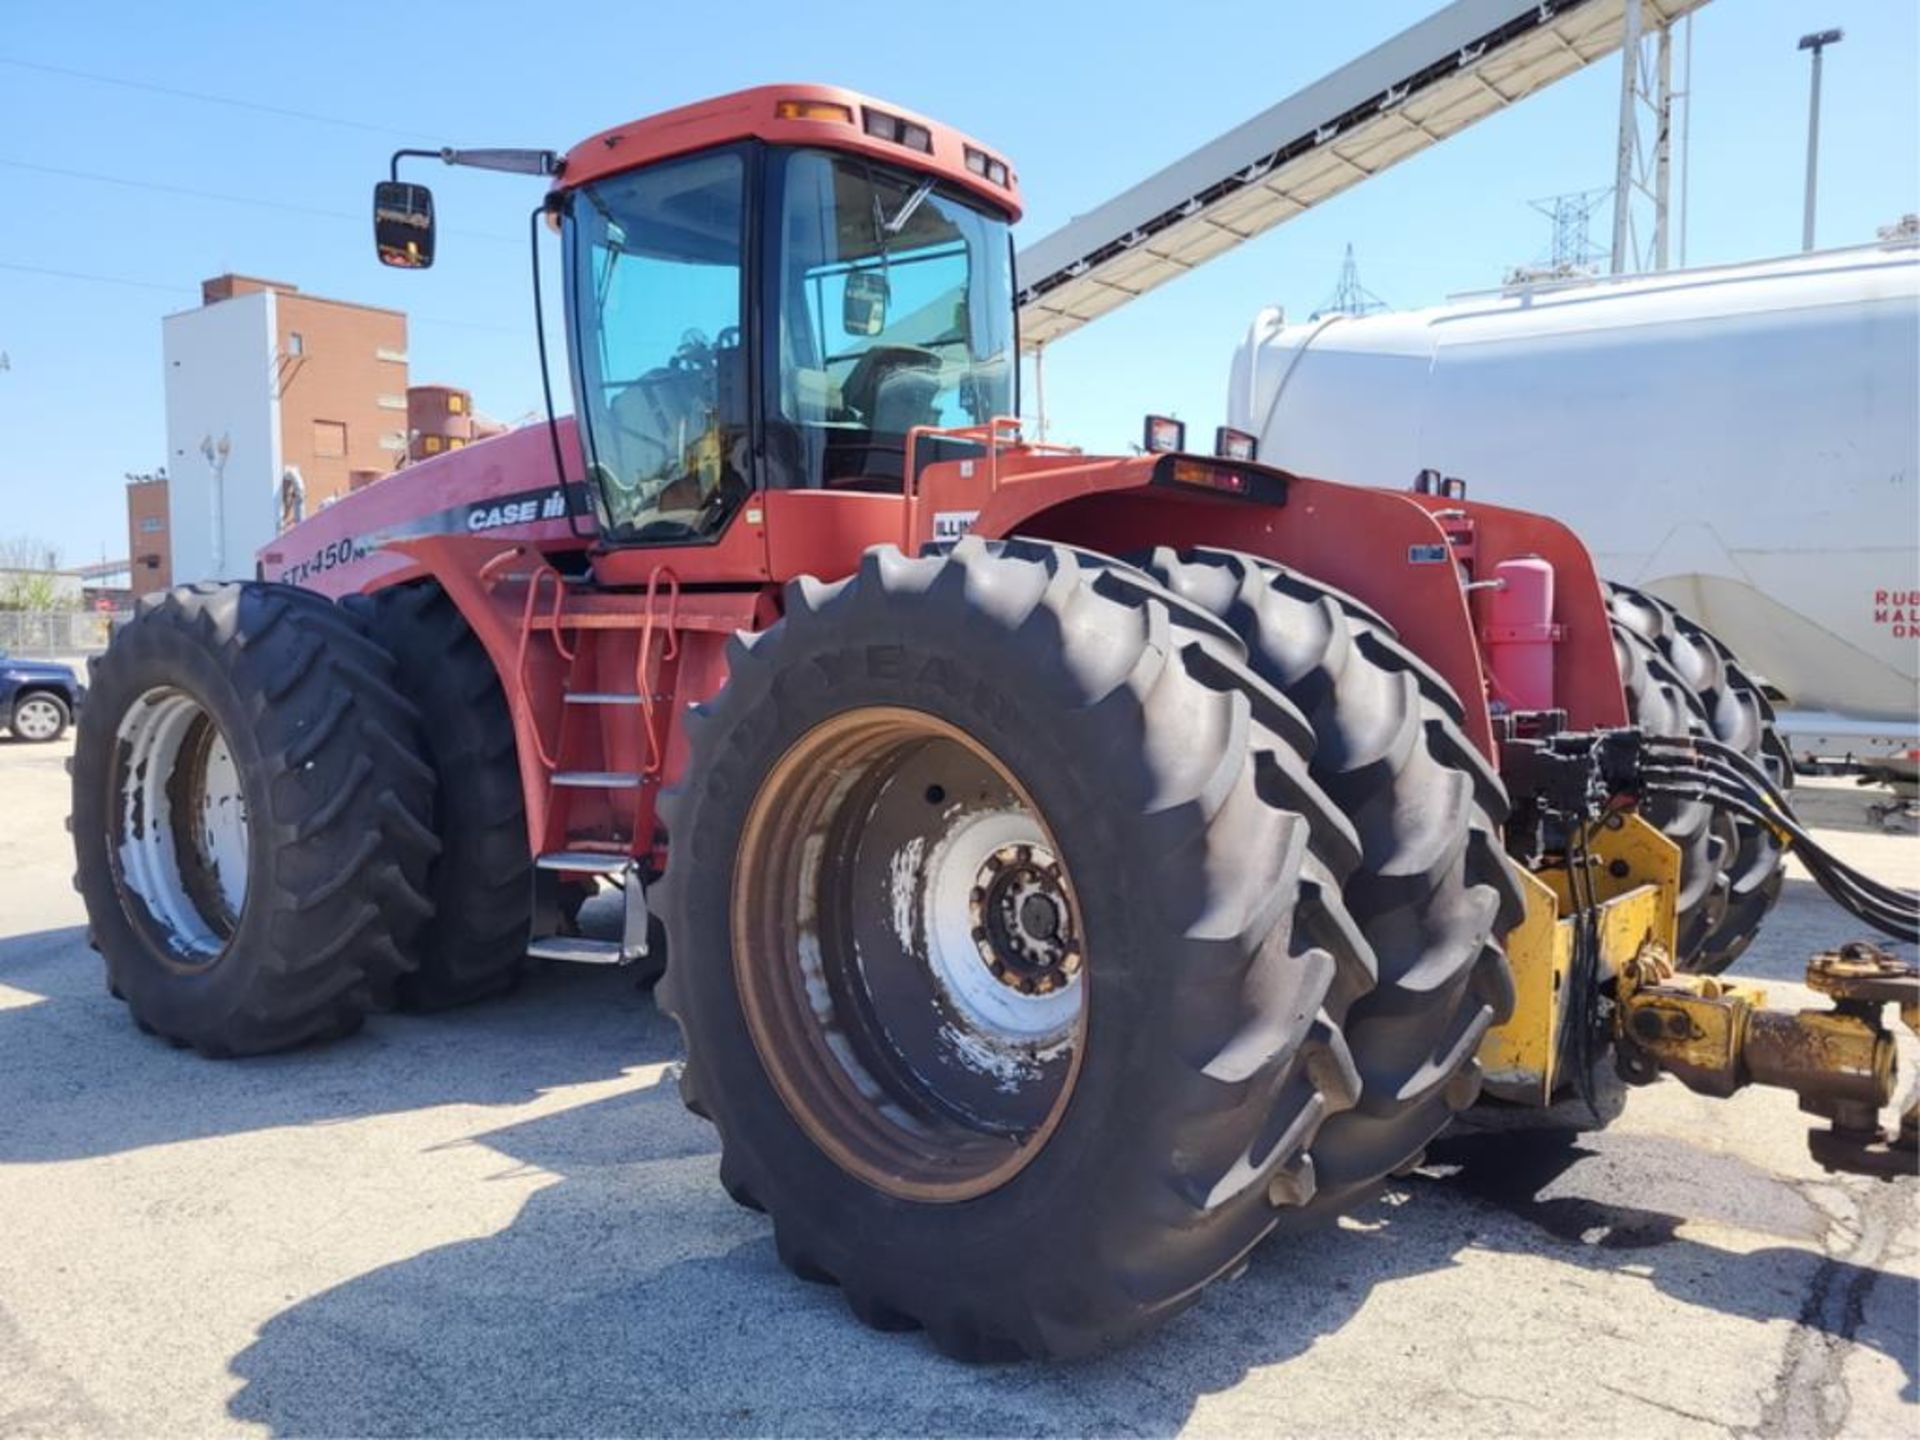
(403, 224)
(863, 309)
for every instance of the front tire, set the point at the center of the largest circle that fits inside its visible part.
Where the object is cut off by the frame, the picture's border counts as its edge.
(249, 819)
(1034, 1122)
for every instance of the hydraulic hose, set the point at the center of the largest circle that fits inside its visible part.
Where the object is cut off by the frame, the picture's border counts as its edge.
(1897, 912)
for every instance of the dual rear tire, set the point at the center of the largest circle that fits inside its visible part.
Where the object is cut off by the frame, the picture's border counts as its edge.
(1682, 681)
(1058, 805)
(251, 819)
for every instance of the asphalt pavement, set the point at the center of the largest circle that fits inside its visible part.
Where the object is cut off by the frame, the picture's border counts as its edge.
(501, 1221)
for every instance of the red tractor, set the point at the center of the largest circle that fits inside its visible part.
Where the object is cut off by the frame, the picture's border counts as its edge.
(1071, 868)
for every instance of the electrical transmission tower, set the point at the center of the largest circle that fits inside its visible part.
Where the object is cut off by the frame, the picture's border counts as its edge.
(1349, 297)
(1574, 252)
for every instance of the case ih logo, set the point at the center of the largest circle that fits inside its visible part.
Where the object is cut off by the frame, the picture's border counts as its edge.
(518, 512)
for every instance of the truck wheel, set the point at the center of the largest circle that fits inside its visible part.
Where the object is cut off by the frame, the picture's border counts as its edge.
(1434, 892)
(39, 716)
(1723, 701)
(481, 883)
(249, 818)
(1009, 946)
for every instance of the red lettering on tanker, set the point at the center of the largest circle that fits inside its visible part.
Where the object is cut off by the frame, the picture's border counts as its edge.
(1899, 611)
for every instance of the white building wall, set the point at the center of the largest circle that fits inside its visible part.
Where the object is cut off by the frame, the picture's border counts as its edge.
(221, 388)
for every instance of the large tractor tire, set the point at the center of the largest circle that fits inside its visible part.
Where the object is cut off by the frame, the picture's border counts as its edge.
(1009, 945)
(1675, 671)
(1434, 892)
(250, 819)
(481, 883)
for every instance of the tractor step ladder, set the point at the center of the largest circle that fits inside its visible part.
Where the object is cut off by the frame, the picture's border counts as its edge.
(596, 857)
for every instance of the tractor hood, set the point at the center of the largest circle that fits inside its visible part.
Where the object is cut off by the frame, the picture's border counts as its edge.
(504, 486)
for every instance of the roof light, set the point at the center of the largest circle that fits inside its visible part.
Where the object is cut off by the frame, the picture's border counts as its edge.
(814, 110)
(882, 126)
(985, 166)
(1231, 444)
(1165, 435)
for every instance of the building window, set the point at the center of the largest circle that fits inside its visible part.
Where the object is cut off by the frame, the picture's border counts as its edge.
(296, 343)
(456, 404)
(431, 445)
(329, 439)
(152, 524)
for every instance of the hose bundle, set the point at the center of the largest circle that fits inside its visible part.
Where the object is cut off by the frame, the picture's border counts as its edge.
(1704, 769)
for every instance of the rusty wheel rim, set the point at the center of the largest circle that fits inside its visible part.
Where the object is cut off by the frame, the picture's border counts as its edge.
(909, 954)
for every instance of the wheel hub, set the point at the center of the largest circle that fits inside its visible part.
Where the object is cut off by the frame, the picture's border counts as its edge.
(1022, 921)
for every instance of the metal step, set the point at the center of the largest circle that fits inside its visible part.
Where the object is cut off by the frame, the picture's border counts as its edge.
(577, 949)
(584, 862)
(597, 779)
(602, 697)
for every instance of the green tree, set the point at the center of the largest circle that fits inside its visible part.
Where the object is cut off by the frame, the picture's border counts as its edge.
(29, 576)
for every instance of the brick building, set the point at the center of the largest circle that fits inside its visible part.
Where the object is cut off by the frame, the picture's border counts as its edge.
(149, 550)
(277, 401)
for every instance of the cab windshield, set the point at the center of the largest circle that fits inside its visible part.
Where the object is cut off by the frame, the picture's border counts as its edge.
(895, 309)
(884, 302)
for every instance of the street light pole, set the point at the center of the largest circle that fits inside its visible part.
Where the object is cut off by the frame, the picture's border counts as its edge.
(1817, 43)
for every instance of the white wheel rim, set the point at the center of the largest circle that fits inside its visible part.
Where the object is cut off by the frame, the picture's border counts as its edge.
(1003, 1017)
(36, 718)
(181, 828)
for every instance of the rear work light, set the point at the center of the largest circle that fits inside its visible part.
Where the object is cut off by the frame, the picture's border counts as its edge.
(1164, 435)
(984, 165)
(883, 126)
(814, 110)
(1232, 444)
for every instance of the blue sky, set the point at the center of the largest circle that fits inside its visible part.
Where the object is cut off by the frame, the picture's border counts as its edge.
(1087, 98)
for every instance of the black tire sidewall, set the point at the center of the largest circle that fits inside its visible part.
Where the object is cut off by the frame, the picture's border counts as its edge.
(143, 967)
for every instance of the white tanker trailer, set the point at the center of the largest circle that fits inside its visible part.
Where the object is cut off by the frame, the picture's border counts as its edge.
(1743, 441)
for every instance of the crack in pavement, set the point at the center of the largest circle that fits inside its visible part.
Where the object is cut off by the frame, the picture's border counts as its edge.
(1810, 1395)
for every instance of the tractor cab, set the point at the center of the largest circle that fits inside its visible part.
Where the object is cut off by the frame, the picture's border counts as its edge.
(770, 291)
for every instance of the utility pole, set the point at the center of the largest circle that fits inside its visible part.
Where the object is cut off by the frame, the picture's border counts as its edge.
(1817, 43)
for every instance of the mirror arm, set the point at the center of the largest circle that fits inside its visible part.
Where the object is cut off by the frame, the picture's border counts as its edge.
(393, 167)
(515, 162)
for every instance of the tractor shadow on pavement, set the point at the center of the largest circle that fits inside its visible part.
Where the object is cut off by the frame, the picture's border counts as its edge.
(633, 1297)
(78, 1080)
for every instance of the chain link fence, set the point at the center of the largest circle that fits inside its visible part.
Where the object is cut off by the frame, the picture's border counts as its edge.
(57, 634)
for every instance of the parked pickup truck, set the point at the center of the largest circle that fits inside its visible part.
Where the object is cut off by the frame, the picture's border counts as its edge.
(38, 698)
